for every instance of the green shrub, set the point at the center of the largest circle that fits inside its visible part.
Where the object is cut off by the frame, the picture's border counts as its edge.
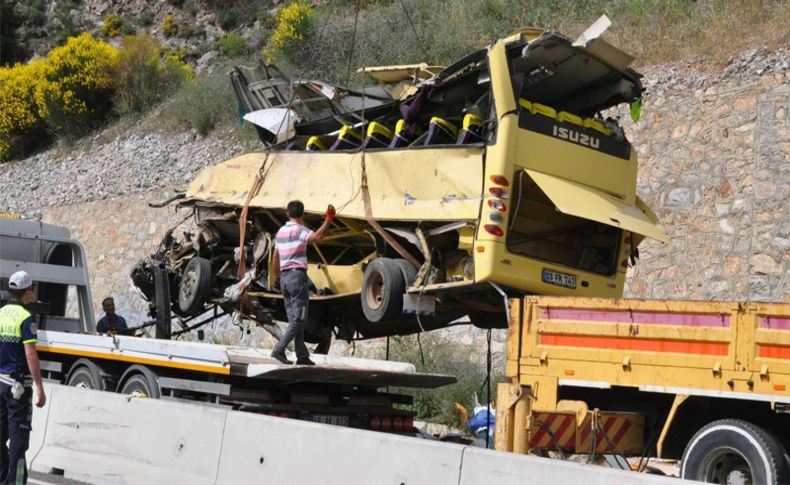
(128, 29)
(144, 75)
(33, 12)
(11, 50)
(112, 25)
(189, 31)
(202, 105)
(226, 18)
(444, 356)
(169, 26)
(67, 27)
(146, 18)
(233, 45)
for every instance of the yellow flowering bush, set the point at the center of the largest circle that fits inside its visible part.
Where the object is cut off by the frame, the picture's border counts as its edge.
(111, 27)
(169, 26)
(21, 126)
(293, 25)
(76, 89)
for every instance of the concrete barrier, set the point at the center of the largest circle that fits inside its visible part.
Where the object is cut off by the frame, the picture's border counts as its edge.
(488, 466)
(101, 437)
(278, 450)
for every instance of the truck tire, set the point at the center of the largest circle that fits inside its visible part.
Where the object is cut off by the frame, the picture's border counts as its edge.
(733, 450)
(86, 375)
(382, 290)
(141, 380)
(195, 286)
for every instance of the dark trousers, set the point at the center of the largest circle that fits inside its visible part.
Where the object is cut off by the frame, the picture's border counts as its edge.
(294, 285)
(16, 416)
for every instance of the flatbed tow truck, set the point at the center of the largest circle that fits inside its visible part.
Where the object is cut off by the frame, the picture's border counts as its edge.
(338, 390)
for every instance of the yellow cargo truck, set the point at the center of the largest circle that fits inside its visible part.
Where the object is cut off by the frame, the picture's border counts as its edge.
(501, 176)
(703, 382)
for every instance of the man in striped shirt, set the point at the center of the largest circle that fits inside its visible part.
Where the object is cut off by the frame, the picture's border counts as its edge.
(290, 267)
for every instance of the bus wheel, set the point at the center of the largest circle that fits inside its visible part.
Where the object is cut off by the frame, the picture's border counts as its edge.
(194, 286)
(734, 451)
(86, 375)
(382, 290)
(140, 380)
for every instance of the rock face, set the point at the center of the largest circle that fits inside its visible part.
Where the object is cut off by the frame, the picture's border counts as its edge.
(714, 165)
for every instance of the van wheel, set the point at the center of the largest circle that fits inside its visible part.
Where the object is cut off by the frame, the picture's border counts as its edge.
(194, 286)
(734, 451)
(382, 290)
(142, 381)
(86, 375)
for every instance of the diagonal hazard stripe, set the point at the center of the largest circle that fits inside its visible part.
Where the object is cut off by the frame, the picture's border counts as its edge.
(548, 419)
(622, 431)
(560, 433)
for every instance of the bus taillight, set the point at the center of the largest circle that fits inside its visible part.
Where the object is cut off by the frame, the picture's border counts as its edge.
(498, 192)
(497, 205)
(500, 180)
(494, 230)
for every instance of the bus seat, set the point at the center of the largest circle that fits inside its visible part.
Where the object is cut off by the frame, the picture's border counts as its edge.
(565, 117)
(402, 137)
(597, 126)
(378, 136)
(348, 139)
(315, 144)
(441, 132)
(472, 131)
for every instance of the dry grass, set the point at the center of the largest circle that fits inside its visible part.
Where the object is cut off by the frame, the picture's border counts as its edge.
(653, 31)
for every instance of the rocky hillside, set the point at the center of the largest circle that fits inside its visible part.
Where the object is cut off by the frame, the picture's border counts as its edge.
(714, 147)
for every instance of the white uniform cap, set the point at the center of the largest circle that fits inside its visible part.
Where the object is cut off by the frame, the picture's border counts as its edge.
(20, 281)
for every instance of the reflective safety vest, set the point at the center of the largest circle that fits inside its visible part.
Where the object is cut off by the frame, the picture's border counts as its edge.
(11, 318)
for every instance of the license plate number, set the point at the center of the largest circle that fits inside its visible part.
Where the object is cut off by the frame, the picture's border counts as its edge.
(559, 279)
(330, 419)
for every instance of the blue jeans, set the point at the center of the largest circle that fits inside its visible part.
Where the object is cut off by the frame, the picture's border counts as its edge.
(16, 416)
(296, 294)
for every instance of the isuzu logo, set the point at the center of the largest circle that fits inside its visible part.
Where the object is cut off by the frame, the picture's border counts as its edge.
(576, 137)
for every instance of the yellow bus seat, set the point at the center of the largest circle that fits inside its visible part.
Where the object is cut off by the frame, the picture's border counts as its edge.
(441, 132)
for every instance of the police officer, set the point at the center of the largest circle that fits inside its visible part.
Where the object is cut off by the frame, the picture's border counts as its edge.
(19, 369)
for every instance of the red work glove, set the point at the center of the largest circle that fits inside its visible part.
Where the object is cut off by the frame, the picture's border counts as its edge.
(330, 213)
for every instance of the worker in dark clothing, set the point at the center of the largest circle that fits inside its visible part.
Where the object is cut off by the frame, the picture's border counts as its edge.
(290, 266)
(111, 322)
(19, 371)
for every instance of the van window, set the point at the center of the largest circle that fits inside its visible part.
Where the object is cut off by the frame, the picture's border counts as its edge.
(537, 229)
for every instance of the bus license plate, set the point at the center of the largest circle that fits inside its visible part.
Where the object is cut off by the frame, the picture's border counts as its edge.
(559, 279)
(330, 419)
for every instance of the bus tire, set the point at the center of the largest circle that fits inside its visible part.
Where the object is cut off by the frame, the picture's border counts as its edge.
(734, 449)
(86, 375)
(382, 290)
(139, 379)
(195, 285)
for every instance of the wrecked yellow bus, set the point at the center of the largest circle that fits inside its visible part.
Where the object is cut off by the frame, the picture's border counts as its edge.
(499, 177)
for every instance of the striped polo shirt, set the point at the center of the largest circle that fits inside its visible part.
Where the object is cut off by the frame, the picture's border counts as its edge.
(291, 242)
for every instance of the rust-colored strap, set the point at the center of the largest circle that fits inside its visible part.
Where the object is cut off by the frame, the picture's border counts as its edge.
(260, 177)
